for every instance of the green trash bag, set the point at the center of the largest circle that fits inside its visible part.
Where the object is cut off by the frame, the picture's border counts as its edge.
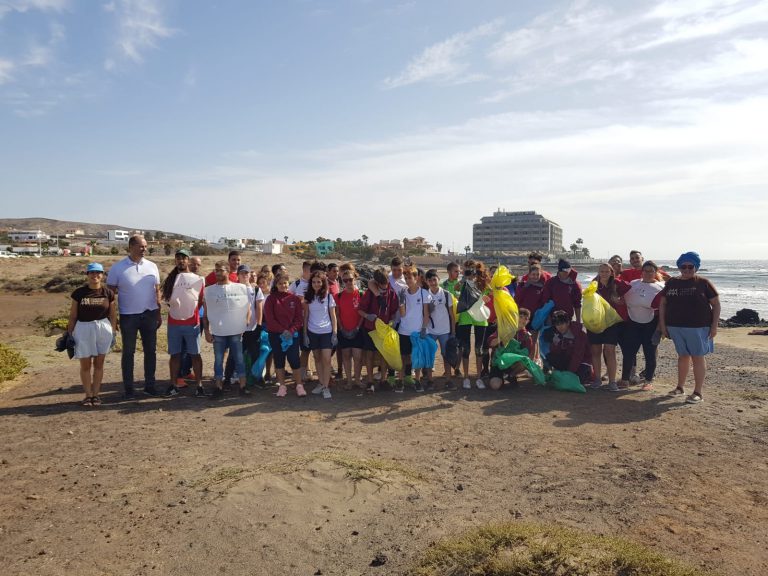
(565, 381)
(513, 352)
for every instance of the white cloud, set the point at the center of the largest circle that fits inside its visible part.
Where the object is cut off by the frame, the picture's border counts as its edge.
(30, 5)
(680, 165)
(444, 60)
(141, 24)
(6, 71)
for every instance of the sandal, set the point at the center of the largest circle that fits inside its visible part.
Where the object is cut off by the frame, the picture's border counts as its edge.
(677, 392)
(694, 398)
(87, 402)
(96, 401)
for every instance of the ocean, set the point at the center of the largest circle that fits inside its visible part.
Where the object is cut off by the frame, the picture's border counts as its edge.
(741, 283)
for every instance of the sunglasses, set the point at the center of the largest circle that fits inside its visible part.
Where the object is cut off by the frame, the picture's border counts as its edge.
(686, 267)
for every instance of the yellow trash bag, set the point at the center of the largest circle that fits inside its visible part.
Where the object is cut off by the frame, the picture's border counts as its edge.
(596, 313)
(387, 342)
(504, 305)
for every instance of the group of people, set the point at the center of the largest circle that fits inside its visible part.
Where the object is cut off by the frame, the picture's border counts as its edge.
(266, 319)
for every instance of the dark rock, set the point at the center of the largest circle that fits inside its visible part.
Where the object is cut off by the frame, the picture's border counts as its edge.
(379, 560)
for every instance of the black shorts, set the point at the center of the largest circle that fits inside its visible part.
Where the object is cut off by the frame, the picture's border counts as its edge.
(405, 345)
(279, 357)
(608, 336)
(320, 341)
(351, 343)
(366, 341)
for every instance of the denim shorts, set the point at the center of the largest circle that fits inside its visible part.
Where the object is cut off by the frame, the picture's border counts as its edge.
(183, 338)
(691, 341)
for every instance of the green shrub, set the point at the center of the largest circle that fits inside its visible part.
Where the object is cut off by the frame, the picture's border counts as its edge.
(11, 363)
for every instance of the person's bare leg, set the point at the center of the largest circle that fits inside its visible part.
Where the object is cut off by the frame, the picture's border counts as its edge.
(610, 362)
(699, 373)
(597, 359)
(683, 362)
(85, 377)
(346, 360)
(323, 361)
(197, 368)
(358, 365)
(98, 375)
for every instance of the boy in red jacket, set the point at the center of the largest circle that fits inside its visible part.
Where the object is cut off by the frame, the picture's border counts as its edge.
(569, 347)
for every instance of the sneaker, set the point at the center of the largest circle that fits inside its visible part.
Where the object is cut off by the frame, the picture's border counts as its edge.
(409, 381)
(694, 398)
(418, 387)
(430, 386)
(151, 391)
(467, 385)
(647, 387)
(623, 385)
(217, 392)
(613, 387)
(171, 391)
(181, 383)
(190, 376)
(480, 384)
(244, 392)
(300, 390)
(450, 385)
(200, 392)
(129, 394)
(327, 393)
(318, 389)
(371, 389)
(596, 385)
(282, 391)
(398, 387)
(635, 379)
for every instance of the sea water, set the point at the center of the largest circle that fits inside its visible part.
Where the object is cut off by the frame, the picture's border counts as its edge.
(740, 283)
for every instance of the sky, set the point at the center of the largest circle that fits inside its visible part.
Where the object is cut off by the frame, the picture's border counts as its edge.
(630, 124)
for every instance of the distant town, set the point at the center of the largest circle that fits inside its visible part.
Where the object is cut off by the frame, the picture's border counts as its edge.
(504, 237)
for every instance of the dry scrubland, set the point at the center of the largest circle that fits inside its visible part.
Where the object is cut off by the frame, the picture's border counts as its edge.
(516, 482)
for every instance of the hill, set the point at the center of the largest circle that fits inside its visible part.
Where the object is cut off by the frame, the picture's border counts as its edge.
(53, 227)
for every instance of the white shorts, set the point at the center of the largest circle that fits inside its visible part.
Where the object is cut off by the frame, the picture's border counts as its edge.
(92, 338)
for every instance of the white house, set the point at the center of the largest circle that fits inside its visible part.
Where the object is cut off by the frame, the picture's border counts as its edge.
(270, 247)
(118, 235)
(28, 236)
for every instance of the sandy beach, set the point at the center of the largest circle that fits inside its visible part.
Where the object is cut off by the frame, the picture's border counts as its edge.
(264, 485)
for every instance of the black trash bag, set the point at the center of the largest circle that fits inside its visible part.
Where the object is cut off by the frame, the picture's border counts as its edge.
(452, 356)
(468, 296)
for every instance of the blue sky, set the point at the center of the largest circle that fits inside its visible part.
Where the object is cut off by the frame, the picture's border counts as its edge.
(631, 124)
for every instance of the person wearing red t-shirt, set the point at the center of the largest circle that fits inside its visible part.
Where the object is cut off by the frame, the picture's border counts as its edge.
(350, 338)
(233, 260)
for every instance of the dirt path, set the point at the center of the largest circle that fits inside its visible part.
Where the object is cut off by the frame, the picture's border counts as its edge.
(260, 486)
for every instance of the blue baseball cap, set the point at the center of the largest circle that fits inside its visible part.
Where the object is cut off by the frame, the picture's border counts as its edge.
(94, 267)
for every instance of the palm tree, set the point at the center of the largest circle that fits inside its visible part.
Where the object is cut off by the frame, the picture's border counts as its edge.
(439, 247)
(574, 247)
(467, 248)
(286, 239)
(365, 239)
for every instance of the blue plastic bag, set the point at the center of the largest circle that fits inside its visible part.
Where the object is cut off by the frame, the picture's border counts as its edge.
(286, 343)
(541, 315)
(423, 351)
(257, 369)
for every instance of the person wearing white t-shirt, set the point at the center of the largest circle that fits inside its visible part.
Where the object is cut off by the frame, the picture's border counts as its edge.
(642, 331)
(414, 317)
(252, 334)
(136, 281)
(320, 329)
(182, 291)
(227, 314)
(442, 321)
